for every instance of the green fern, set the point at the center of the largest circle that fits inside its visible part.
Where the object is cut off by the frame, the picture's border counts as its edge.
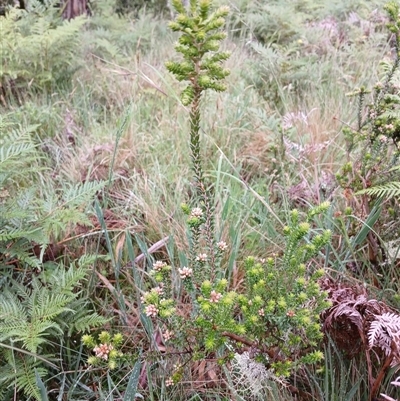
(39, 50)
(389, 190)
(68, 209)
(35, 318)
(34, 314)
(25, 217)
(19, 372)
(81, 321)
(31, 320)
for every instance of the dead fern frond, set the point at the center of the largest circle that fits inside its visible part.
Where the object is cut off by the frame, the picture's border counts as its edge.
(359, 325)
(349, 316)
(384, 334)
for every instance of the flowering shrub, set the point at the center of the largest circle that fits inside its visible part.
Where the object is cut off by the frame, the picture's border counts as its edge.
(106, 349)
(276, 315)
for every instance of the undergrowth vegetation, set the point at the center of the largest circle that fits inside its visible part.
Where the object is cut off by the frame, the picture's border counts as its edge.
(202, 209)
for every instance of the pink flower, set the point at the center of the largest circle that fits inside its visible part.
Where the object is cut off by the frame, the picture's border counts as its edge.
(103, 350)
(159, 265)
(151, 310)
(143, 297)
(160, 289)
(222, 246)
(168, 334)
(185, 272)
(202, 257)
(215, 296)
(196, 212)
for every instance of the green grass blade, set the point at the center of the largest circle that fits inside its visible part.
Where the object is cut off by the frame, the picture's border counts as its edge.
(131, 390)
(42, 387)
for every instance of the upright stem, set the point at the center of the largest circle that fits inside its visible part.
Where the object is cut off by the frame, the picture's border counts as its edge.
(203, 190)
(195, 141)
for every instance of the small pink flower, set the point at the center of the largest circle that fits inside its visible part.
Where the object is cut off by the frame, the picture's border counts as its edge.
(160, 289)
(168, 334)
(261, 312)
(202, 257)
(143, 297)
(290, 313)
(185, 272)
(222, 246)
(215, 296)
(196, 212)
(151, 310)
(103, 350)
(383, 138)
(169, 382)
(159, 265)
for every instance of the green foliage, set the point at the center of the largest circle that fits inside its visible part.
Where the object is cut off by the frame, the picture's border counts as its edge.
(389, 190)
(298, 47)
(156, 7)
(276, 313)
(39, 50)
(36, 317)
(284, 21)
(374, 146)
(20, 371)
(40, 304)
(201, 34)
(26, 219)
(119, 40)
(199, 44)
(17, 229)
(207, 307)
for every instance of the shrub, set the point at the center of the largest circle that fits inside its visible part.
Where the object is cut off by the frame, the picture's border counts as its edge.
(276, 314)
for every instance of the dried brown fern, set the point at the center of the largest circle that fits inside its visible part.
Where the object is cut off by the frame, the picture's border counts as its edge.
(360, 325)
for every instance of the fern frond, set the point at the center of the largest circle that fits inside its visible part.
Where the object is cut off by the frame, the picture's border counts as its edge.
(18, 252)
(36, 334)
(389, 190)
(383, 330)
(12, 309)
(49, 305)
(13, 151)
(26, 369)
(81, 193)
(34, 318)
(86, 321)
(69, 279)
(12, 330)
(17, 325)
(70, 209)
(14, 233)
